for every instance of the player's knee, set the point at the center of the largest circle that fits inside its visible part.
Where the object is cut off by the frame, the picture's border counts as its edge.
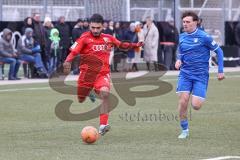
(104, 92)
(197, 102)
(196, 105)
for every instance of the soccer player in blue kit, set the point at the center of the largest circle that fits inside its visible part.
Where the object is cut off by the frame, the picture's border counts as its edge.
(193, 62)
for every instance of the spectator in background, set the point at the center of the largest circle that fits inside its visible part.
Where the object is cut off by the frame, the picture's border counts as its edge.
(8, 54)
(169, 43)
(124, 30)
(77, 30)
(111, 26)
(132, 37)
(81, 27)
(151, 36)
(85, 24)
(47, 30)
(105, 27)
(54, 50)
(118, 54)
(39, 34)
(140, 37)
(64, 33)
(27, 23)
(111, 32)
(108, 28)
(29, 51)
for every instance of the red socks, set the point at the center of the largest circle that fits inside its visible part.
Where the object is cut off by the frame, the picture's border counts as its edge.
(103, 119)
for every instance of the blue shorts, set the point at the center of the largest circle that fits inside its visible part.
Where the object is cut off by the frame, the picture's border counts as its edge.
(195, 87)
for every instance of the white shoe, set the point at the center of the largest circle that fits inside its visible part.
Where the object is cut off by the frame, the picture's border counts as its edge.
(104, 129)
(184, 134)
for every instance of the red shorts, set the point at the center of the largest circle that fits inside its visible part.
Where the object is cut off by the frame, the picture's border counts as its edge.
(87, 82)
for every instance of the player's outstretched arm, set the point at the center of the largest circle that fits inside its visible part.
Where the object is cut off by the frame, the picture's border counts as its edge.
(219, 53)
(128, 45)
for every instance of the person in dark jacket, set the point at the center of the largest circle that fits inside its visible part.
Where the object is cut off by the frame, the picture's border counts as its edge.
(39, 35)
(108, 28)
(169, 44)
(118, 54)
(29, 51)
(27, 23)
(8, 54)
(64, 33)
(38, 30)
(77, 30)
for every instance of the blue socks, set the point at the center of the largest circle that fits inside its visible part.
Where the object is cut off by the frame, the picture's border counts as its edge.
(184, 124)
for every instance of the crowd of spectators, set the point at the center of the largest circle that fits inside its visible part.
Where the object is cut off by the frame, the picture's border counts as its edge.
(44, 46)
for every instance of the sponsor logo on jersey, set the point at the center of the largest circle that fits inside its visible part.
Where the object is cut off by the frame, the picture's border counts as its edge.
(195, 40)
(106, 40)
(213, 43)
(100, 47)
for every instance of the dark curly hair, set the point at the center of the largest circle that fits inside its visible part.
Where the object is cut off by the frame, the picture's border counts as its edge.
(97, 18)
(190, 14)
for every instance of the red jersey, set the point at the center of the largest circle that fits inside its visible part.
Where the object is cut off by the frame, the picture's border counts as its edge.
(94, 52)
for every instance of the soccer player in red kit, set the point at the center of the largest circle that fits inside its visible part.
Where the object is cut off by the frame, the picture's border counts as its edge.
(94, 48)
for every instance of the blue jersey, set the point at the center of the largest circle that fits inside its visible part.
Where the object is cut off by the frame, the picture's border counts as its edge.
(194, 52)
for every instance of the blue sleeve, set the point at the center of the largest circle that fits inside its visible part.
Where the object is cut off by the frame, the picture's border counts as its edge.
(219, 53)
(179, 54)
(210, 43)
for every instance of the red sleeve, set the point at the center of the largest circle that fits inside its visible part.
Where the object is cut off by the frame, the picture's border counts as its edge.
(75, 49)
(124, 44)
(115, 41)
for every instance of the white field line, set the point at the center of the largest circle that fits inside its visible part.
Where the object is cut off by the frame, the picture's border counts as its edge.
(47, 88)
(223, 158)
(129, 75)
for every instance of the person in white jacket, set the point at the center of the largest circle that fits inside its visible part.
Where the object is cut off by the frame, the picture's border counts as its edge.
(151, 39)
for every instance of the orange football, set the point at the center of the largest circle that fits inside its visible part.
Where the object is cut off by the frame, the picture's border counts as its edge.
(89, 134)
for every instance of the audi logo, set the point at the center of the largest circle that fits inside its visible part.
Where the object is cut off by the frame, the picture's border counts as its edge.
(101, 47)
